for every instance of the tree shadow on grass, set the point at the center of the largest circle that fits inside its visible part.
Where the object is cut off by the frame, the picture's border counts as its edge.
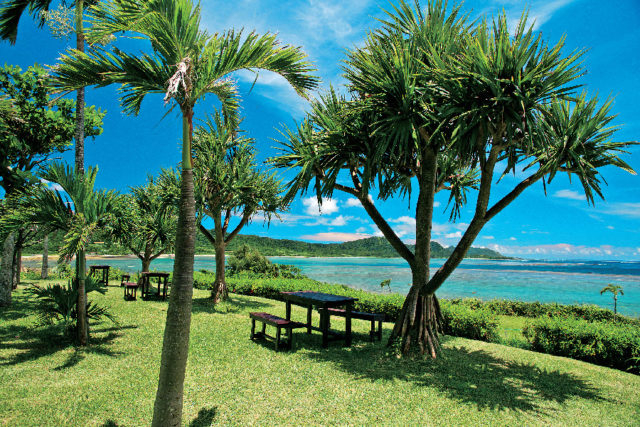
(205, 417)
(33, 343)
(469, 376)
(19, 308)
(231, 305)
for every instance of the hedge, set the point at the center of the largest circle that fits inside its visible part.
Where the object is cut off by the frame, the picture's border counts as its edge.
(607, 344)
(591, 313)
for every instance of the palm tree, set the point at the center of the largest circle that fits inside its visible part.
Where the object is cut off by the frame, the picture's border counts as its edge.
(186, 65)
(78, 211)
(229, 183)
(615, 290)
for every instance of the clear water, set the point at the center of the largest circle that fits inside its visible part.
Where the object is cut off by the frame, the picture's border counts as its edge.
(566, 282)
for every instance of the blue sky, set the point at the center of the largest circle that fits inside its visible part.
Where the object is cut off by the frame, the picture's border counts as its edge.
(559, 225)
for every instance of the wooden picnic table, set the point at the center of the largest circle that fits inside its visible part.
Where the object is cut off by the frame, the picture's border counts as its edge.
(94, 270)
(163, 280)
(322, 302)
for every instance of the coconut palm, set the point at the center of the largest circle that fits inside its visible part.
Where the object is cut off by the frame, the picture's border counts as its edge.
(615, 290)
(229, 183)
(78, 211)
(186, 64)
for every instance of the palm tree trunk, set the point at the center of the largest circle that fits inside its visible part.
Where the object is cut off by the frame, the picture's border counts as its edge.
(82, 325)
(79, 136)
(44, 272)
(17, 263)
(167, 410)
(146, 258)
(615, 304)
(419, 323)
(6, 271)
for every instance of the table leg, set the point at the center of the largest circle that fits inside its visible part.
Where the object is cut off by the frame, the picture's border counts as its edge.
(309, 313)
(347, 337)
(324, 325)
(288, 310)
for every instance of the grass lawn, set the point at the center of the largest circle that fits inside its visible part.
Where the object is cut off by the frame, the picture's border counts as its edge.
(232, 380)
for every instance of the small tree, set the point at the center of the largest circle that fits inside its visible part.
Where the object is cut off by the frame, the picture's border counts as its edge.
(615, 290)
(146, 224)
(77, 210)
(229, 183)
(438, 106)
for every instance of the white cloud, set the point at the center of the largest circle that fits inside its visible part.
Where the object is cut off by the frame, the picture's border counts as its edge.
(352, 202)
(488, 237)
(630, 210)
(512, 238)
(328, 207)
(436, 204)
(567, 251)
(569, 194)
(405, 226)
(455, 235)
(610, 227)
(335, 237)
(339, 221)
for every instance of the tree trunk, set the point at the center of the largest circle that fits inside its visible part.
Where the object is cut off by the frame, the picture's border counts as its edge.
(220, 291)
(17, 267)
(44, 273)
(6, 271)
(419, 323)
(615, 304)
(79, 135)
(167, 410)
(82, 325)
(146, 258)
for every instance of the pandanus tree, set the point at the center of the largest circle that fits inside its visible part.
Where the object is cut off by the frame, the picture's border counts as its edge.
(185, 64)
(146, 225)
(75, 209)
(438, 105)
(229, 183)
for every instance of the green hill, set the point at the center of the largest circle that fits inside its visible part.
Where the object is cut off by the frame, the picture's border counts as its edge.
(372, 247)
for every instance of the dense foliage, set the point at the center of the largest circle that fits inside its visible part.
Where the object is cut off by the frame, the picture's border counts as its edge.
(602, 343)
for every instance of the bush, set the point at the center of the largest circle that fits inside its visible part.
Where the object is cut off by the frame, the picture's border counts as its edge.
(248, 263)
(590, 313)
(57, 303)
(606, 344)
(461, 321)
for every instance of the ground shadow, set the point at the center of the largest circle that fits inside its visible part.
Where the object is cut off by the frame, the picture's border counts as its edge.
(33, 343)
(205, 417)
(470, 376)
(19, 308)
(231, 305)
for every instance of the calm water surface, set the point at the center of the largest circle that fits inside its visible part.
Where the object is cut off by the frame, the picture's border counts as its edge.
(566, 282)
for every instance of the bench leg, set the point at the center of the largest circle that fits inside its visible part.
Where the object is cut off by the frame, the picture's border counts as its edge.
(372, 333)
(379, 330)
(277, 337)
(253, 328)
(264, 328)
(309, 313)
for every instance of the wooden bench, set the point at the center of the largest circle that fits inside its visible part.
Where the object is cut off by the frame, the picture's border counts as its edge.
(373, 317)
(278, 322)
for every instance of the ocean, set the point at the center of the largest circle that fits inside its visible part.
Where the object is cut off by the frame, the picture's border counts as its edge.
(565, 282)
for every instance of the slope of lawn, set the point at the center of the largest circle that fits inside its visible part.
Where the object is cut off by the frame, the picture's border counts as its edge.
(232, 380)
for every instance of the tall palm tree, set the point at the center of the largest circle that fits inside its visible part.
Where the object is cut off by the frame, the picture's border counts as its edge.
(186, 65)
(615, 290)
(78, 211)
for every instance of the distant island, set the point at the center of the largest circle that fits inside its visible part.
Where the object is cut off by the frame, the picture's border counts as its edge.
(377, 247)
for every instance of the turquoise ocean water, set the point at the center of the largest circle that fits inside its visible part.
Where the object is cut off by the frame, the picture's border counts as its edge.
(566, 282)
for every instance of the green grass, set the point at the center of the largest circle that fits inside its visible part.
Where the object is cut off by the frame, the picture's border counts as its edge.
(232, 380)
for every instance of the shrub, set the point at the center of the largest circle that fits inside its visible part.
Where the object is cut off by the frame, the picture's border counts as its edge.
(606, 344)
(590, 313)
(461, 321)
(248, 263)
(57, 303)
